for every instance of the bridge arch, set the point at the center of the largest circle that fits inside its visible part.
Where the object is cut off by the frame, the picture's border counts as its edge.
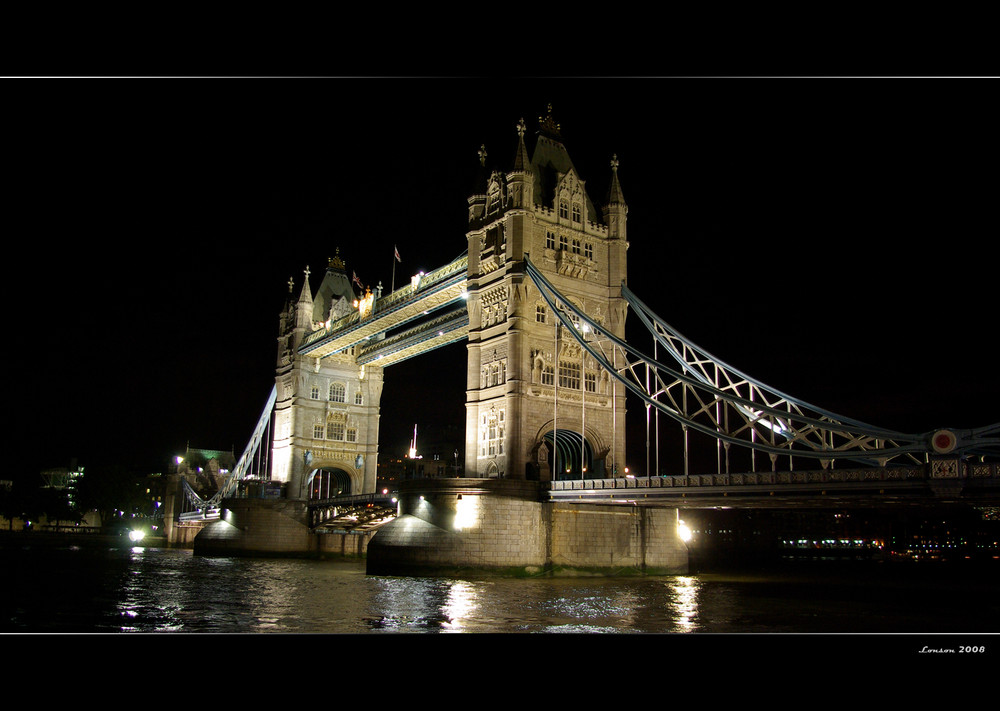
(576, 456)
(329, 478)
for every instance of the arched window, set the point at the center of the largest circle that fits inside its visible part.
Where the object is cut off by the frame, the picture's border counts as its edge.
(337, 392)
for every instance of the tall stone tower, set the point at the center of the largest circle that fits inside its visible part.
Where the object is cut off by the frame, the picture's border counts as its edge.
(537, 406)
(326, 409)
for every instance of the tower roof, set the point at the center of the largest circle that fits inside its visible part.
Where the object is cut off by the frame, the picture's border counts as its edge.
(551, 160)
(335, 286)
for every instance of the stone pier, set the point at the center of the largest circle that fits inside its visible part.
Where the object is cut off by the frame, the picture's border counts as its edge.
(502, 526)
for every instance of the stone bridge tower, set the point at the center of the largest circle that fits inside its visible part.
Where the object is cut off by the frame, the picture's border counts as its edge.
(536, 405)
(326, 409)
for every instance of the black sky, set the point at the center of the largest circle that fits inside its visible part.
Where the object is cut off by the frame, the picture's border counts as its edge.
(834, 238)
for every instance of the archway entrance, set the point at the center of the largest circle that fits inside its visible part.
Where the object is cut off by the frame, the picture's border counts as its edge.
(574, 457)
(329, 482)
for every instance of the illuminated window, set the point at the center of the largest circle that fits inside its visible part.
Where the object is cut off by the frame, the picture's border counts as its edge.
(569, 375)
(318, 431)
(338, 393)
(491, 433)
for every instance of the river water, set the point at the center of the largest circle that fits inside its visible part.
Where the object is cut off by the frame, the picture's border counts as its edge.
(104, 588)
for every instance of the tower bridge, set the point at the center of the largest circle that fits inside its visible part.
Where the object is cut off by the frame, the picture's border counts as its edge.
(539, 295)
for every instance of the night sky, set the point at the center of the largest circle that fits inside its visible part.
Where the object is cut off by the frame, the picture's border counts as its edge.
(834, 238)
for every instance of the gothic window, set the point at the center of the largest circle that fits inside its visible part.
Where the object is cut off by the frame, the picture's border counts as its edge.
(576, 246)
(547, 374)
(563, 242)
(335, 430)
(577, 212)
(358, 398)
(569, 375)
(588, 250)
(318, 431)
(500, 431)
(540, 313)
(563, 209)
(352, 435)
(314, 393)
(491, 433)
(590, 382)
(550, 240)
(338, 393)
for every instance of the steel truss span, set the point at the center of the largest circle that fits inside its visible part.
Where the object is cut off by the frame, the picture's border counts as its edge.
(705, 395)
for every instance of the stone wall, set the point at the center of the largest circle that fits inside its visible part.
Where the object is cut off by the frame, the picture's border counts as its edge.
(257, 527)
(501, 525)
(613, 538)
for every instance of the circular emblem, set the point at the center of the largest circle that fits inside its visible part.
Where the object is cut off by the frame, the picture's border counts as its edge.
(943, 441)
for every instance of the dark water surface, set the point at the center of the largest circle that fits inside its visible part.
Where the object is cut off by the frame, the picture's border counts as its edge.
(103, 588)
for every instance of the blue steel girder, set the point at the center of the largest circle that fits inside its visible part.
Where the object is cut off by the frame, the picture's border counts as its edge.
(710, 397)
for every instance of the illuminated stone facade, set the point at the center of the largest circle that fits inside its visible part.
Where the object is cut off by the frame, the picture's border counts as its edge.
(529, 383)
(326, 409)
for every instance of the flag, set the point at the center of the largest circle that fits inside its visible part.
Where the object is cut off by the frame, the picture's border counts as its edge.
(398, 258)
(354, 278)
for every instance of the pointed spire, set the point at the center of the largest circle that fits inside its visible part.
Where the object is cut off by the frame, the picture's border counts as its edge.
(615, 196)
(306, 295)
(521, 161)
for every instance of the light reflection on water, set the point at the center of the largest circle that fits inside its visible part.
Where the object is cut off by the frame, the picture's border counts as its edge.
(100, 589)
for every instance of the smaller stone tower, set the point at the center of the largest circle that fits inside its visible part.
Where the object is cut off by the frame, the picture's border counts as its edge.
(326, 409)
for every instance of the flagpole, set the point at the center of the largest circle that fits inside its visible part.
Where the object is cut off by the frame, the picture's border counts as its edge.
(393, 273)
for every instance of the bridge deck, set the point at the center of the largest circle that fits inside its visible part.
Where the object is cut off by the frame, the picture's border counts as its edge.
(886, 486)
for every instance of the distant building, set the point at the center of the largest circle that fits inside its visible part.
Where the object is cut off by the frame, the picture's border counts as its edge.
(206, 470)
(65, 479)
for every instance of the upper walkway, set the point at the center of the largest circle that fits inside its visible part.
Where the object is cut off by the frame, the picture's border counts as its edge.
(366, 327)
